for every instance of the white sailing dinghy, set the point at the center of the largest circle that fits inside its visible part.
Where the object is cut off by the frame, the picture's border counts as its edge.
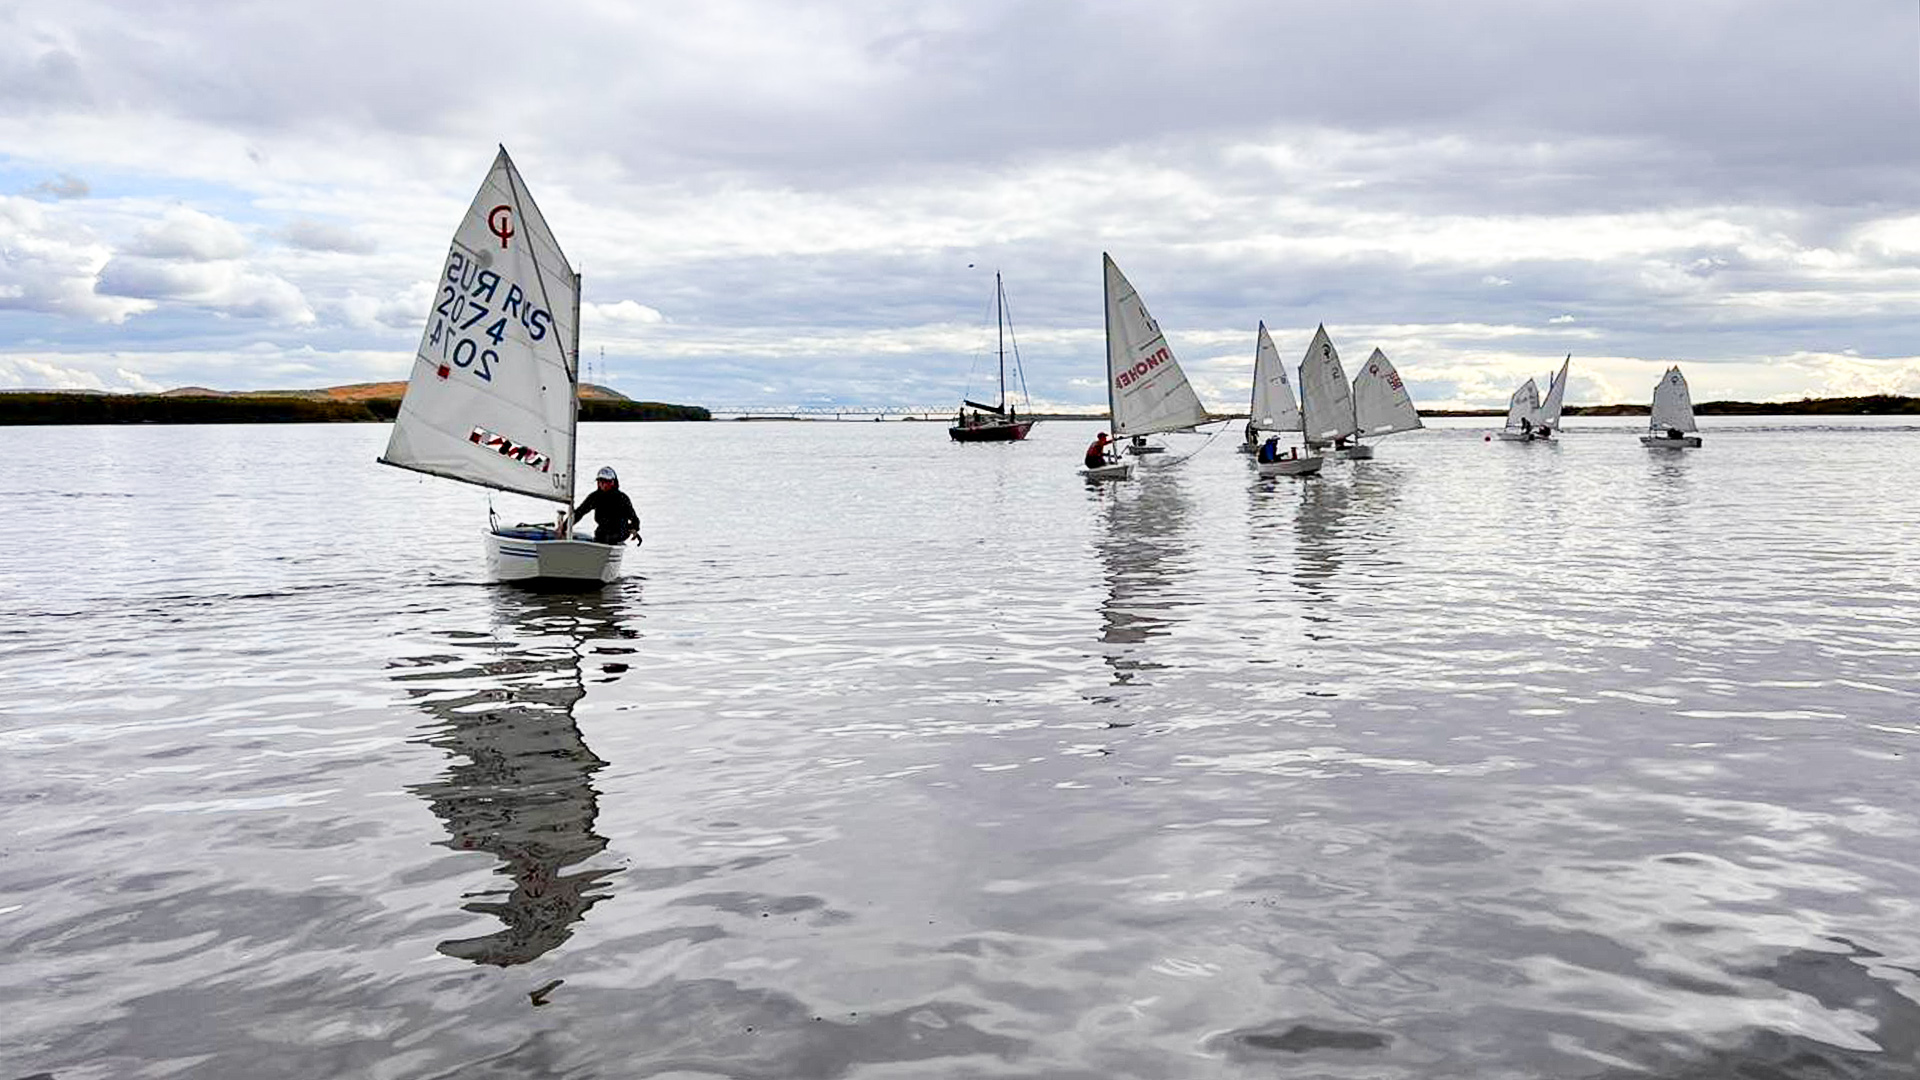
(1273, 409)
(493, 397)
(1548, 422)
(1326, 401)
(1381, 404)
(1147, 393)
(1671, 425)
(1522, 410)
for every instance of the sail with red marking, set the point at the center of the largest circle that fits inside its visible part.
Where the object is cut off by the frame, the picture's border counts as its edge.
(1381, 404)
(1146, 390)
(492, 396)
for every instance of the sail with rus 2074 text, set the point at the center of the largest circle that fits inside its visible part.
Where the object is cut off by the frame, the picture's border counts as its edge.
(491, 397)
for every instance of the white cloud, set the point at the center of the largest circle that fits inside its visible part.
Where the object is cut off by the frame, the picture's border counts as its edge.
(48, 265)
(185, 233)
(626, 313)
(311, 235)
(226, 287)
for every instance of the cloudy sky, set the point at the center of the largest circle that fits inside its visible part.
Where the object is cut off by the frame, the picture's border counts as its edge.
(796, 202)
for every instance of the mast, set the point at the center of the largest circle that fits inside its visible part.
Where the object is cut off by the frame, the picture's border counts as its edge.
(573, 421)
(1000, 331)
(1106, 309)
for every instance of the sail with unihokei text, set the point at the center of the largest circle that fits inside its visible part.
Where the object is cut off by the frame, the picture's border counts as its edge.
(1146, 390)
(491, 398)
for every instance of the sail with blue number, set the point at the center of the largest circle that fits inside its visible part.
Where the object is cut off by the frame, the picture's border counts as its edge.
(492, 396)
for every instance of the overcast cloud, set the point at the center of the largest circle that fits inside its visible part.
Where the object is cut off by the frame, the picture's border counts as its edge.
(779, 202)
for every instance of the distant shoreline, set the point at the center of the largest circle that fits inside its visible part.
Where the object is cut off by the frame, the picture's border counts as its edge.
(369, 404)
(20, 409)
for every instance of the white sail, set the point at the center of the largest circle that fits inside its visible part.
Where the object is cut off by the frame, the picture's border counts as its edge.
(1672, 404)
(491, 399)
(1273, 406)
(1326, 402)
(1381, 404)
(1556, 396)
(1525, 405)
(1146, 390)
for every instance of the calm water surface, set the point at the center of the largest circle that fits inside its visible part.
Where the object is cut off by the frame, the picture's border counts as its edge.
(892, 757)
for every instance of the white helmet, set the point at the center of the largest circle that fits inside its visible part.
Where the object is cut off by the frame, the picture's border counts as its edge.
(606, 473)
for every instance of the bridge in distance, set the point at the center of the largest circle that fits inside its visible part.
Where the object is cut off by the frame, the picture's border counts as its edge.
(862, 412)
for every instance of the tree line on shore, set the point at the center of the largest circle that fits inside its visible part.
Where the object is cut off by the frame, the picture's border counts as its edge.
(81, 408)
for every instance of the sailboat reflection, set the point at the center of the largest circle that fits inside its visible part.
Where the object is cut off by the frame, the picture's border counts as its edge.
(1139, 549)
(1319, 524)
(519, 782)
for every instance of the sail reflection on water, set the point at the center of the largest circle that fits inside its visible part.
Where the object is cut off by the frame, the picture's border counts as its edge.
(1141, 553)
(518, 784)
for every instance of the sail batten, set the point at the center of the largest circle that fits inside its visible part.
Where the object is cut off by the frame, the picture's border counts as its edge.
(1146, 390)
(1381, 404)
(491, 399)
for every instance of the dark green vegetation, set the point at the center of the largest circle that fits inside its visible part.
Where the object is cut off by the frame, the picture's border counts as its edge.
(56, 408)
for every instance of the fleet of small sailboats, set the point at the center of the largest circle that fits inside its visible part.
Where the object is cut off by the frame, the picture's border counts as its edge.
(997, 422)
(493, 399)
(1670, 425)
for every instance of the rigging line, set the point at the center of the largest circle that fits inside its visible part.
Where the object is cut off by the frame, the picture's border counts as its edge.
(1018, 370)
(571, 365)
(1214, 434)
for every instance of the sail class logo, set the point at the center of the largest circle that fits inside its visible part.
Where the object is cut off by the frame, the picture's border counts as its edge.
(500, 222)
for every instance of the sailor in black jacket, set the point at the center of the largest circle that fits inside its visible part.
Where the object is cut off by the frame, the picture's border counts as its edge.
(613, 516)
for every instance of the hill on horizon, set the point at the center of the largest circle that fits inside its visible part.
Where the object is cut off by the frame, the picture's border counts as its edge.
(355, 392)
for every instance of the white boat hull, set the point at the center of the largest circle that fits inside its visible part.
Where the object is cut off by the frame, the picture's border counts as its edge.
(1109, 472)
(1664, 443)
(519, 558)
(1514, 436)
(1357, 453)
(1301, 466)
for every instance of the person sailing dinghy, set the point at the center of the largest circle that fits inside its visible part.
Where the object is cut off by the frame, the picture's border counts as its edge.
(1273, 409)
(493, 396)
(1522, 408)
(1147, 393)
(1670, 426)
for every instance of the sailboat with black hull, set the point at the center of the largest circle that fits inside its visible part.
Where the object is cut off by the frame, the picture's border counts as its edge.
(997, 422)
(493, 399)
